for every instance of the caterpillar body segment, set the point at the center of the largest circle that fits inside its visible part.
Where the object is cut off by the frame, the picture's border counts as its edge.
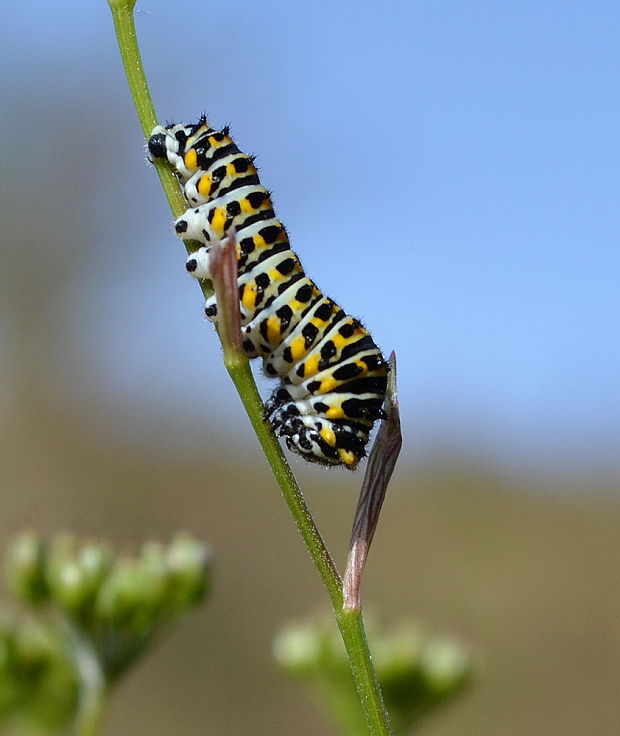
(333, 377)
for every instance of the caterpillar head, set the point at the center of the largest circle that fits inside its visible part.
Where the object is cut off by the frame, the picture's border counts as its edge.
(173, 141)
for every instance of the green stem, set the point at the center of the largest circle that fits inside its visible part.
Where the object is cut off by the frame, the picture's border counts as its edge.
(91, 712)
(122, 14)
(350, 621)
(93, 687)
(239, 370)
(351, 625)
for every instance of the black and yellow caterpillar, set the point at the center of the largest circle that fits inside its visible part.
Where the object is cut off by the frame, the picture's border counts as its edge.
(333, 377)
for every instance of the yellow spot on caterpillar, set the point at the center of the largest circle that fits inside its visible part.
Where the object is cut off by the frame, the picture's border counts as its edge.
(329, 384)
(298, 347)
(249, 297)
(347, 457)
(328, 435)
(230, 170)
(204, 185)
(191, 159)
(219, 221)
(275, 275)
(246, 206)
(335, 412)
(340, 341)
(312, 365)
(273, 330)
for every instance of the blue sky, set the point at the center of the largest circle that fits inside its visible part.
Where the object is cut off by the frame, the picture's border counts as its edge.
(448, 172)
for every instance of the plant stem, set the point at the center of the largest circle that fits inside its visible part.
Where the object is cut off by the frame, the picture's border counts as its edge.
(93, 686)
(349, 621)
(351, 625)
(239, 370)
(91, 712)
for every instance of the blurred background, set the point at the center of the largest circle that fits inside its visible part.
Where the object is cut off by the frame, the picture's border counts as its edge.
(449, 173)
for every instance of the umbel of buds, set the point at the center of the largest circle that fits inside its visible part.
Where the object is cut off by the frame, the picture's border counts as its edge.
(110, 602)
(417, 671)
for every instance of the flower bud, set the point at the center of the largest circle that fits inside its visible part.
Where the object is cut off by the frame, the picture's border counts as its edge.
(188, 562)
(95, 561)
(153, 589)
(38, 687)
(298, 649)
(119, 594)
(75, 575)
(61, 551)
(447, 666)
(418, 671)
(26, 568)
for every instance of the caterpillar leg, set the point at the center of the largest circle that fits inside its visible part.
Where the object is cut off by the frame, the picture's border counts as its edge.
(314, 437)
(324, 442)
(197, 264)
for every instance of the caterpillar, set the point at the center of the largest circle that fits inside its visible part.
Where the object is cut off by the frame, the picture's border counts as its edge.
(333, 377)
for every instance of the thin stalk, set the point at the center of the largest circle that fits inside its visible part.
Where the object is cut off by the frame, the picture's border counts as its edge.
(93, 689)
(351, 625)
(239, 370)
(349, 622)
(122, 14)
(89, 720)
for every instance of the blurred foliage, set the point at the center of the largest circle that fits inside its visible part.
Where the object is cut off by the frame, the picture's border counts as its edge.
(108, 609)
(418, 672)
(38, 681)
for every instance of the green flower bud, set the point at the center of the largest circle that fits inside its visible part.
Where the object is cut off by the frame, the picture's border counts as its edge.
(69, 588)
(26, 568)
(95, 561)
(447, 666)
(38, 687)
(399, 649)
(154, 578)
(299, 649)
(417, 671)
(188, 562)
(75, 575)
(119, 594)
(61, 551)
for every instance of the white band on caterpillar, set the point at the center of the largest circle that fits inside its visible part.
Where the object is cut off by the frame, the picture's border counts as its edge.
(197, 264)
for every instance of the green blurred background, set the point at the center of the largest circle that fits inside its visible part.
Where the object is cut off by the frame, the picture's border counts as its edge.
(118, 421)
